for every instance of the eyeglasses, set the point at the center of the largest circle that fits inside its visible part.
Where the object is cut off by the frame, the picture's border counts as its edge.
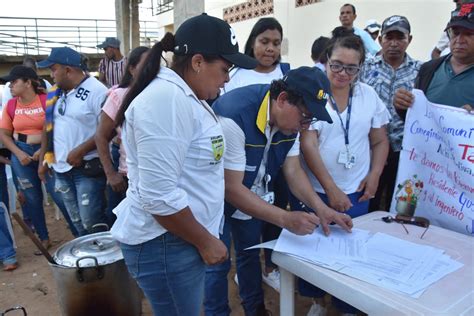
(409, 220)
(307, 119)
(14, 309)
(337, 68)
(62, 105)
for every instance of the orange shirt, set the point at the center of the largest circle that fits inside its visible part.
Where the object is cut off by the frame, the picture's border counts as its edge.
(29, 118)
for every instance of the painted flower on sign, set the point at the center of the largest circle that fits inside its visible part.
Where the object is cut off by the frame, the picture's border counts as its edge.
(407, 194)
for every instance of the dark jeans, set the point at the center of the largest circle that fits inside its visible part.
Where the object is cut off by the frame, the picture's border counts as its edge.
(4, 186)
(270, 231)
(245, 233)
(113, 198)
(384, 194)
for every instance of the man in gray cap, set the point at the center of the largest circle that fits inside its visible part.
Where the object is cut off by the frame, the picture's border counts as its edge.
(387, 72)
(112, 66)
(448, 80)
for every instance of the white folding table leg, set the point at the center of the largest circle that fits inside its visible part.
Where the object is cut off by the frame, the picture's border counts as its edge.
(287, 293)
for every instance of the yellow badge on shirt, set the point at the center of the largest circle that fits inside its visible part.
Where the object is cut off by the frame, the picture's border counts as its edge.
(217, 147)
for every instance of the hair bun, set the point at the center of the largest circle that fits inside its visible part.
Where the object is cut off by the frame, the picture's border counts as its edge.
(167, 42)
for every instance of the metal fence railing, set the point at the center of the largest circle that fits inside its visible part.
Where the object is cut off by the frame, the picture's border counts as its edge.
(36, 36)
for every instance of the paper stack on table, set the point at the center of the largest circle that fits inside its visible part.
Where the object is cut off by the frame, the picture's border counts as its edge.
(379, 259)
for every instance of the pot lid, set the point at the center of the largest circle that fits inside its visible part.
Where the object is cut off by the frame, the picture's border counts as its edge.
(101, 246)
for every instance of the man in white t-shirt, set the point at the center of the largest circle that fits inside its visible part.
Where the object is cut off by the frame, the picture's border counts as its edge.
(347, 16)
(112, 66)
(74, 116)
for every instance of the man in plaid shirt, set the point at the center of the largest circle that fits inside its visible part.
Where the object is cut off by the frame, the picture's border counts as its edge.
(387, 72)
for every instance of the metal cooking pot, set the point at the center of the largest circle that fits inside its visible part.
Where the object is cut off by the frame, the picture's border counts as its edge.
(92, 278)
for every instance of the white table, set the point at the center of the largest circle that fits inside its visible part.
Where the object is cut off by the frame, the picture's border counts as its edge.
(452, 295)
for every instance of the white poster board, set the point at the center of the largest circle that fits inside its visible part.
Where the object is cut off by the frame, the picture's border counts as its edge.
(436, 171)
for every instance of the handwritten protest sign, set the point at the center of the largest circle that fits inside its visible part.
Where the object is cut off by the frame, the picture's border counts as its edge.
(436, 172)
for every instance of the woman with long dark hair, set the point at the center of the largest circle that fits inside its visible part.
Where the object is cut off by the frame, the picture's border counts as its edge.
(263, 44)
(20, 130)
(168, 224)
(113, 160)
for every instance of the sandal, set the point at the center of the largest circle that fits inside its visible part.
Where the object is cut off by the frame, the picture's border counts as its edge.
(10, 267)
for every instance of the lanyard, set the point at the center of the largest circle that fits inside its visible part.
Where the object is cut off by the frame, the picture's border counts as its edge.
(348, 117)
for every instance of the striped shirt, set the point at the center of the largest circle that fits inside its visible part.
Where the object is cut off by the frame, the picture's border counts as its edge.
(113, 70)
(386, 81)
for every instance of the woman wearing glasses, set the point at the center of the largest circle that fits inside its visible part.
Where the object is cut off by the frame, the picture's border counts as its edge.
(344, 160)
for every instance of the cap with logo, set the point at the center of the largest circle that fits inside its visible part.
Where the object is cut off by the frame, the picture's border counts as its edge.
(372, 26)
(20, 71)
(64, 56)
(208, 35)
(464, 17)
(109, 42)
(313, 86)
(396, 23)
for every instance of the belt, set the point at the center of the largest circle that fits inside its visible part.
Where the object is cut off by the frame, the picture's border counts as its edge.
(29, 139)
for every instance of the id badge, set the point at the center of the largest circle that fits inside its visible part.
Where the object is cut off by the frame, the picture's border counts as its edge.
(346, 158)
(268, 197)
(350, 161)
(342, 159)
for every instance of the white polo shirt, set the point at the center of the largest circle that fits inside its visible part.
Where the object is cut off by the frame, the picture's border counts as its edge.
(368, 112)
(76, 116)
(174, 145)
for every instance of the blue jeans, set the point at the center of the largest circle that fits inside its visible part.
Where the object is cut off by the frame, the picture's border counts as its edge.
(245, 234)
(7, 252)
(4, 186)
(58, 200)
(83, 197)
(309, 290)
(113, 198)
(30, 184)
(170, 272)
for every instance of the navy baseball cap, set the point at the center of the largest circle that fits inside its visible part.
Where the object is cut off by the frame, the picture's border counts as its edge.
(313, 85)
(64, 56)
(204, 34)
(464, 17)
(20, 71)
(109, 42)
(396, 23)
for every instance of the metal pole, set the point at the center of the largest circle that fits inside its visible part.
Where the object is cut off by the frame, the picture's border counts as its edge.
(96, 35)
(25, 43)
(37, 36)
(79, 35)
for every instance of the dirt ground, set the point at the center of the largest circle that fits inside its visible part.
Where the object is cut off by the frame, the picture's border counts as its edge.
(32, 285)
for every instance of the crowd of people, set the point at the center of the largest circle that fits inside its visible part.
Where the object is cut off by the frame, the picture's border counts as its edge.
(219, 146)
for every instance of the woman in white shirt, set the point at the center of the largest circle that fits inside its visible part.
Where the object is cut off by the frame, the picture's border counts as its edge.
(168, 224)
(344, 160)
(263, 44)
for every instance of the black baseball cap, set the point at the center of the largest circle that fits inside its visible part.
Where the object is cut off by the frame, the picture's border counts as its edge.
(464, 17)
(208, 35)
(396, 23)
(20, 71)
(313, 85)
